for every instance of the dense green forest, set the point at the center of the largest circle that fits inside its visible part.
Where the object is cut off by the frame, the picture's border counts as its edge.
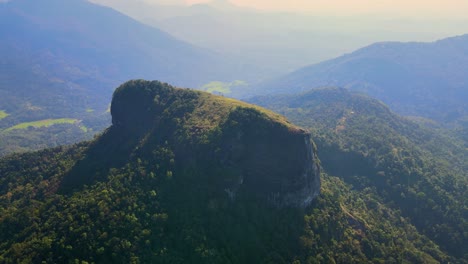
(152, 189)
(418, 171)
(141, 215)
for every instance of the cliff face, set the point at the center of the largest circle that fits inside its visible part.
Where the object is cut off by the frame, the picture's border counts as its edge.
(237, 148)
(271, 161)
(307, 186)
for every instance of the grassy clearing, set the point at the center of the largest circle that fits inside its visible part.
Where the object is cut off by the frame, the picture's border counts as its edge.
(3, 114)
(222, 87)
(42, 123)
(84, 129)
(217, 87)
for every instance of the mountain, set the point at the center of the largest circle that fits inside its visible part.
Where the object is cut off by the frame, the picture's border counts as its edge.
(416, 79)
(278, 42)
(190, 148)
(187, 177)
(413, 169)
(62, 59)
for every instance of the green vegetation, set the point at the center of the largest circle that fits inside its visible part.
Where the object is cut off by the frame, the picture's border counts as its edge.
(206, 111)
(152, 190)
(216, 87)
(47, 123)
(42, 123)
(56, 134)
(22, 140)
(412, 169)
(138, 214)
(3, 114)
(89, 110)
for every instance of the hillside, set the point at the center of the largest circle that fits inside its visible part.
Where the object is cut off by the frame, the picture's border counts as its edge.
(414, 79)
(62, 59)
(187, 177)
(413, 169)
(199, 153)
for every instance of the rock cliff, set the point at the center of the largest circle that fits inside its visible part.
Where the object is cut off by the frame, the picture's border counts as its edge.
(237, 148)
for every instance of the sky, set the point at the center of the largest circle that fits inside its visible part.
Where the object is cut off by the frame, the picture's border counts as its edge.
(438, 8)
(333, 28)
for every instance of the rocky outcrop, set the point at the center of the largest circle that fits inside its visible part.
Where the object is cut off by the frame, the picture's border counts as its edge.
(308, 184)
(238, 148)
(273, 162)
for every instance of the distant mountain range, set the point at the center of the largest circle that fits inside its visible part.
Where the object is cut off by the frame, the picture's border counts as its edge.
(63, 59)
(418, 79)
(279, 42)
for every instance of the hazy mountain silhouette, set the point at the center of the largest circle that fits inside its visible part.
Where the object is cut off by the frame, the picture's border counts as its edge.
(422, 79)
(280, 42)
(62, 59)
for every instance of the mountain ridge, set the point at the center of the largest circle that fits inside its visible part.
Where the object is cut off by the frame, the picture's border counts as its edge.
(408, 165)
(417, 79)
(62, 59)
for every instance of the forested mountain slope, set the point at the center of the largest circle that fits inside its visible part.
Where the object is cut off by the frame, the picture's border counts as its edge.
(417, 79)
(198, 152)
(62, 59)
(412, 169)
(187, 177)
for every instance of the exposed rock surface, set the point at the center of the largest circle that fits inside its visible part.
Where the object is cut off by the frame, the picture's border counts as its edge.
(242, 149)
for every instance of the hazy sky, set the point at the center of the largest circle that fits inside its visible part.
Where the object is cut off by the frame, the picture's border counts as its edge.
(445, 8)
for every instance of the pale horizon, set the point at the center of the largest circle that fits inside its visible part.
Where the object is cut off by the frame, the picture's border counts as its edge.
(418, 8)
(297, 33)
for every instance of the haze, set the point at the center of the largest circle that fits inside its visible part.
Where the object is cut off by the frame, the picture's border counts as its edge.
(285, 35)
(447, 8)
